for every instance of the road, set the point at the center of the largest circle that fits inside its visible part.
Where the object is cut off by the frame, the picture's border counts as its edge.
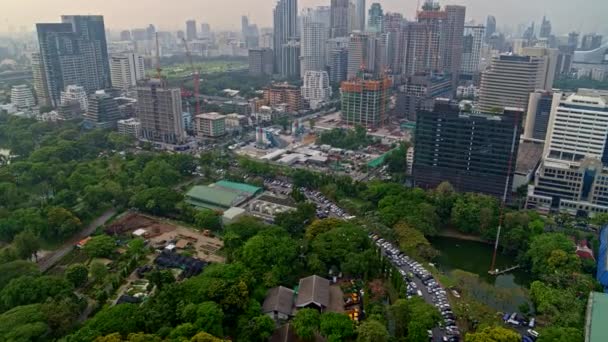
(50, 260)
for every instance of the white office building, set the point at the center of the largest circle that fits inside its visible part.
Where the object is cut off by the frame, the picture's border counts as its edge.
(471, 52)
(74, 93)
(129, 127)
(573, 175)
(22, 97)
(126, 69)
(316, 89)
(315, 33)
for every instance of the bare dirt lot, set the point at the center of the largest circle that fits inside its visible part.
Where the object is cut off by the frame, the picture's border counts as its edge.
(162, 233)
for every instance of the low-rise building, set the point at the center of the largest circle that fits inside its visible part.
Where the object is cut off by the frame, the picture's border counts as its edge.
(210, 125)
(130, 127)
(269, 205)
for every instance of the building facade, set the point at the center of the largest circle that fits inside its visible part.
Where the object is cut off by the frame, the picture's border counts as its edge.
(339, 18)
(73, 52)
(210, 125)
(290, 59)
(338, 67)
(102, 111)
(159, 109)
(472, 151)
(313, 44)
(471, 51)
(316, 89)
(365, 102)
(191, 33)
(39, 80)
(539, 112)
(261, 62)
(126, 70)
(285, 28)
(75, 94)
(573, 175)
(22, 97)
(129, 127)
(509, 81)
(283, 93)
(375, 23)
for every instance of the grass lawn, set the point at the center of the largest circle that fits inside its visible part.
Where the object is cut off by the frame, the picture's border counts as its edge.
(208, 67)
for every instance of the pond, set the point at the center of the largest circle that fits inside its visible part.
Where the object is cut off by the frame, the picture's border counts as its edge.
(504, 292)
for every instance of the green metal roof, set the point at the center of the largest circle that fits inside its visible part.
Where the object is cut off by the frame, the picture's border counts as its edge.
(211, 197)
(239, 187)
(596, 329)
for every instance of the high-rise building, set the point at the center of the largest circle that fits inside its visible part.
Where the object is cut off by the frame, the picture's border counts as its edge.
(129, 127)
(22, 97)
(39, 80)
(313, 43)
(102, 111)
(338, 65)
(361, 10)
(191, 30)
(490, 26)
(551, 59)
(375, 21)
(75, 94)
(210, 125)
(545, 28)
(419, 93)
(539, 112)
(473, 151)
(573, 39)
(591, 41)
(434, 43)
(125, 35)
(471, 51)
(159, 109)
(290, 59)
(205, 31)
(285, 28)
(339, 18)
(361, 54)
(74, 52)
(510, 80)
(393, 26)
(316, 89)
(573, 175)
(454, 31)
(126, 70)
(365, 102)
(261, 62)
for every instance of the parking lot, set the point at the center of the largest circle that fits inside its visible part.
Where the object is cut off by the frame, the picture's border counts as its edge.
(421, 283)
(325, 207)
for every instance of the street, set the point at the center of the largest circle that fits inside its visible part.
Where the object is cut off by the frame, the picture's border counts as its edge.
(50, 260)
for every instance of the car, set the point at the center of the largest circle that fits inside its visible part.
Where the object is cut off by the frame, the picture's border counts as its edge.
(532, 332)
(532, 323)
(419, 293)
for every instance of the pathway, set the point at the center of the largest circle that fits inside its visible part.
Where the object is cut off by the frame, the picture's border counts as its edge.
(54, 257)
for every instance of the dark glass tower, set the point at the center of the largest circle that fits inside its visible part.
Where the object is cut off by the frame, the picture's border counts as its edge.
(472, 151)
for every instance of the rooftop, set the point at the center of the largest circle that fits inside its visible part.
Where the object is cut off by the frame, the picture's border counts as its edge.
(212, 197)
(239, 186)
(597, 311)
(279, 299)
(313, 290)
(211, 116)
(528, 157)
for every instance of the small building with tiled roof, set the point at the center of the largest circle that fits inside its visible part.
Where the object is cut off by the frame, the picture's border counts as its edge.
(313, 292)
(279, 303)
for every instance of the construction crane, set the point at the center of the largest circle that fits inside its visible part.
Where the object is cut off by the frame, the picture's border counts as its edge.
(196, 77)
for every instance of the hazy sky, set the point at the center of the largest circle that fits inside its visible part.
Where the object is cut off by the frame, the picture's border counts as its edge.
(566, 15)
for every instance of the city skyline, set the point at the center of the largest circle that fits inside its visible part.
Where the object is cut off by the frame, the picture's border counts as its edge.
(565, 16)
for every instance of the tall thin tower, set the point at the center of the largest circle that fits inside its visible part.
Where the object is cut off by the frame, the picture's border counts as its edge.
(285, 27)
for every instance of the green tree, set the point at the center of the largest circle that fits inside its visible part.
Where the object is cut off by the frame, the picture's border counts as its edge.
(158, 173)
(100, 246)
(543, 246)
(493, 334)
(208, 219)
(271, 255)
(295, 221)
(16, 269)
(336, 327)
(560, 334)
(26, 244)
(372, 331)
(157, 201)
(98, 271)
(77, 274)
(23, 323)
(61, 223)
(306, 323)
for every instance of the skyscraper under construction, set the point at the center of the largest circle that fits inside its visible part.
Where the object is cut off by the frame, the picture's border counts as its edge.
(365, 102)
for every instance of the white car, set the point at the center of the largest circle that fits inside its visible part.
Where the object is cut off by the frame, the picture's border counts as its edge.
(533, 332)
